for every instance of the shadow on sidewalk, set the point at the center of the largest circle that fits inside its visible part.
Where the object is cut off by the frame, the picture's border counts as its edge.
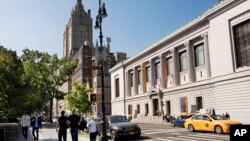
(50, 140)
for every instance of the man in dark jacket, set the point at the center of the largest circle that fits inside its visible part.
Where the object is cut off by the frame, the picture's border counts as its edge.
(36, 123)
(62, 124)
(74, 120)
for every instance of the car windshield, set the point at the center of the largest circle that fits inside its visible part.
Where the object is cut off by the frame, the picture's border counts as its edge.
(218, 117)
(117, 119)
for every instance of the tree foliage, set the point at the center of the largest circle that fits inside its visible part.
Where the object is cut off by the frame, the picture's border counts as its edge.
(78, 98)
(47, 72)
(16, 93)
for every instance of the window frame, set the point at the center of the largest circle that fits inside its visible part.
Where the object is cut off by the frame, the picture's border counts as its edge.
(196, 54)
(117, 88)
(139, 76)
(170, 65)
(233, 22)
(148, 73)
(182, 63)
(158, 70)
(238, 50)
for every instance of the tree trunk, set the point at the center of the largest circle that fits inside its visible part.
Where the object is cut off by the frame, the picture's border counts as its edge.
(51, 110)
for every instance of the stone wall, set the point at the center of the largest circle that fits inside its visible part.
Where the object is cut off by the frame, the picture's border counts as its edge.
(10, 131)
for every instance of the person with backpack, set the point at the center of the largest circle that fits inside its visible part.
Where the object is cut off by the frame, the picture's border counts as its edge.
(62, 125)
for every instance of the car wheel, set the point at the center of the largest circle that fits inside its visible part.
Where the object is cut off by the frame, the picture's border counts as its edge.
(113, 135)
(190, 128)
(138, 134)
(218, 130)
(172, 124)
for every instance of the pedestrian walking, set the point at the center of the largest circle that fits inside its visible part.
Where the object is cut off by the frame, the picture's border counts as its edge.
(227, 115)
(62, 125)
(36, 123)
(92, 126)
(25, 123)
(74, 121)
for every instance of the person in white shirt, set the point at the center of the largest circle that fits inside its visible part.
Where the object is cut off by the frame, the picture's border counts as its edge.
(25, 122)
(92, 126)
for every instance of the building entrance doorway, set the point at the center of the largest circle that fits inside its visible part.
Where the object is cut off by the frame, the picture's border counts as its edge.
(155, 107)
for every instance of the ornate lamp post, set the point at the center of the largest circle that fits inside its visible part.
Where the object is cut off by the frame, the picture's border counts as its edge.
(98, 25)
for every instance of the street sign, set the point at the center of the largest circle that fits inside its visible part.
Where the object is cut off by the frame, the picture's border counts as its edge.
(1, 134)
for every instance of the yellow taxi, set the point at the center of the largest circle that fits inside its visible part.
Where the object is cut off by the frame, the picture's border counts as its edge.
(206, 122)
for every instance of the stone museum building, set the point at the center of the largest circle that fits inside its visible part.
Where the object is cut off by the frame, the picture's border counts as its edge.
(203, 64)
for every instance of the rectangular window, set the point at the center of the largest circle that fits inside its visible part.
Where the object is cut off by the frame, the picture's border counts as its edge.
(129, 109)
(183, 60)
(242, 43)
(199, 55)
(170, 65)
(157, 70)
(139, 77)
(199, 103)
(148, 73)
(146, 109)
(131, 79)
(117, 92)
(138, 108)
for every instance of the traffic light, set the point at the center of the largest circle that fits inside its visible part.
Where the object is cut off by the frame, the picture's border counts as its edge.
(92, 97)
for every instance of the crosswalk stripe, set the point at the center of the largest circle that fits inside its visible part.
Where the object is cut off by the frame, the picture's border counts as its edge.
(153, 130)
(164, 139)
(163, 130)
(210, 136)
(201, 138)
(178, 138)
(168, 131)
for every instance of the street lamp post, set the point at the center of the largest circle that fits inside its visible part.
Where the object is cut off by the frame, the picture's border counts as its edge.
(98, 25)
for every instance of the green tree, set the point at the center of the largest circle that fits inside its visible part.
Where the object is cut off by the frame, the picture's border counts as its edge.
(78, 98)
(16, 92)
(48, 72)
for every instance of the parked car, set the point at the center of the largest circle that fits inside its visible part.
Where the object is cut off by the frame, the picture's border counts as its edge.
(119, 127)
(180, 120)
(205, 122)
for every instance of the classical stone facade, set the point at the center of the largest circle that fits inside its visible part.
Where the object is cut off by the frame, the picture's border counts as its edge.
(203, 64)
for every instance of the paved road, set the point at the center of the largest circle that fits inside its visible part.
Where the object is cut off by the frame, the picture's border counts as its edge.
(154, 132)
(150, 132)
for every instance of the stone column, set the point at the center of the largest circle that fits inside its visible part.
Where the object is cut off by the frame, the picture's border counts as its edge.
(127, 85)
(163, 61)
(207, 58)
(152, 78)
(135, 81)
(175, 67)
(190, 61)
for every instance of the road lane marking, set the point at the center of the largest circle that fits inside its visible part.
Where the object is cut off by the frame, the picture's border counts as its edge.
(152, 130)
(177, 138)
(210, 136)
(202, 138)
(164, 139)
(166, 131)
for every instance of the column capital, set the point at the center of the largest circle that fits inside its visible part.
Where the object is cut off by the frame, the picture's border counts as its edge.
(172, 50)
(187, 43)
(204, 35)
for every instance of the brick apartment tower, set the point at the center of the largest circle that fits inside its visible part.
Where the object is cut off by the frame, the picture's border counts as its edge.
(77, 42)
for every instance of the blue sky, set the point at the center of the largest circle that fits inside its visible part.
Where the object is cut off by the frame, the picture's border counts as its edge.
(133, 25)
